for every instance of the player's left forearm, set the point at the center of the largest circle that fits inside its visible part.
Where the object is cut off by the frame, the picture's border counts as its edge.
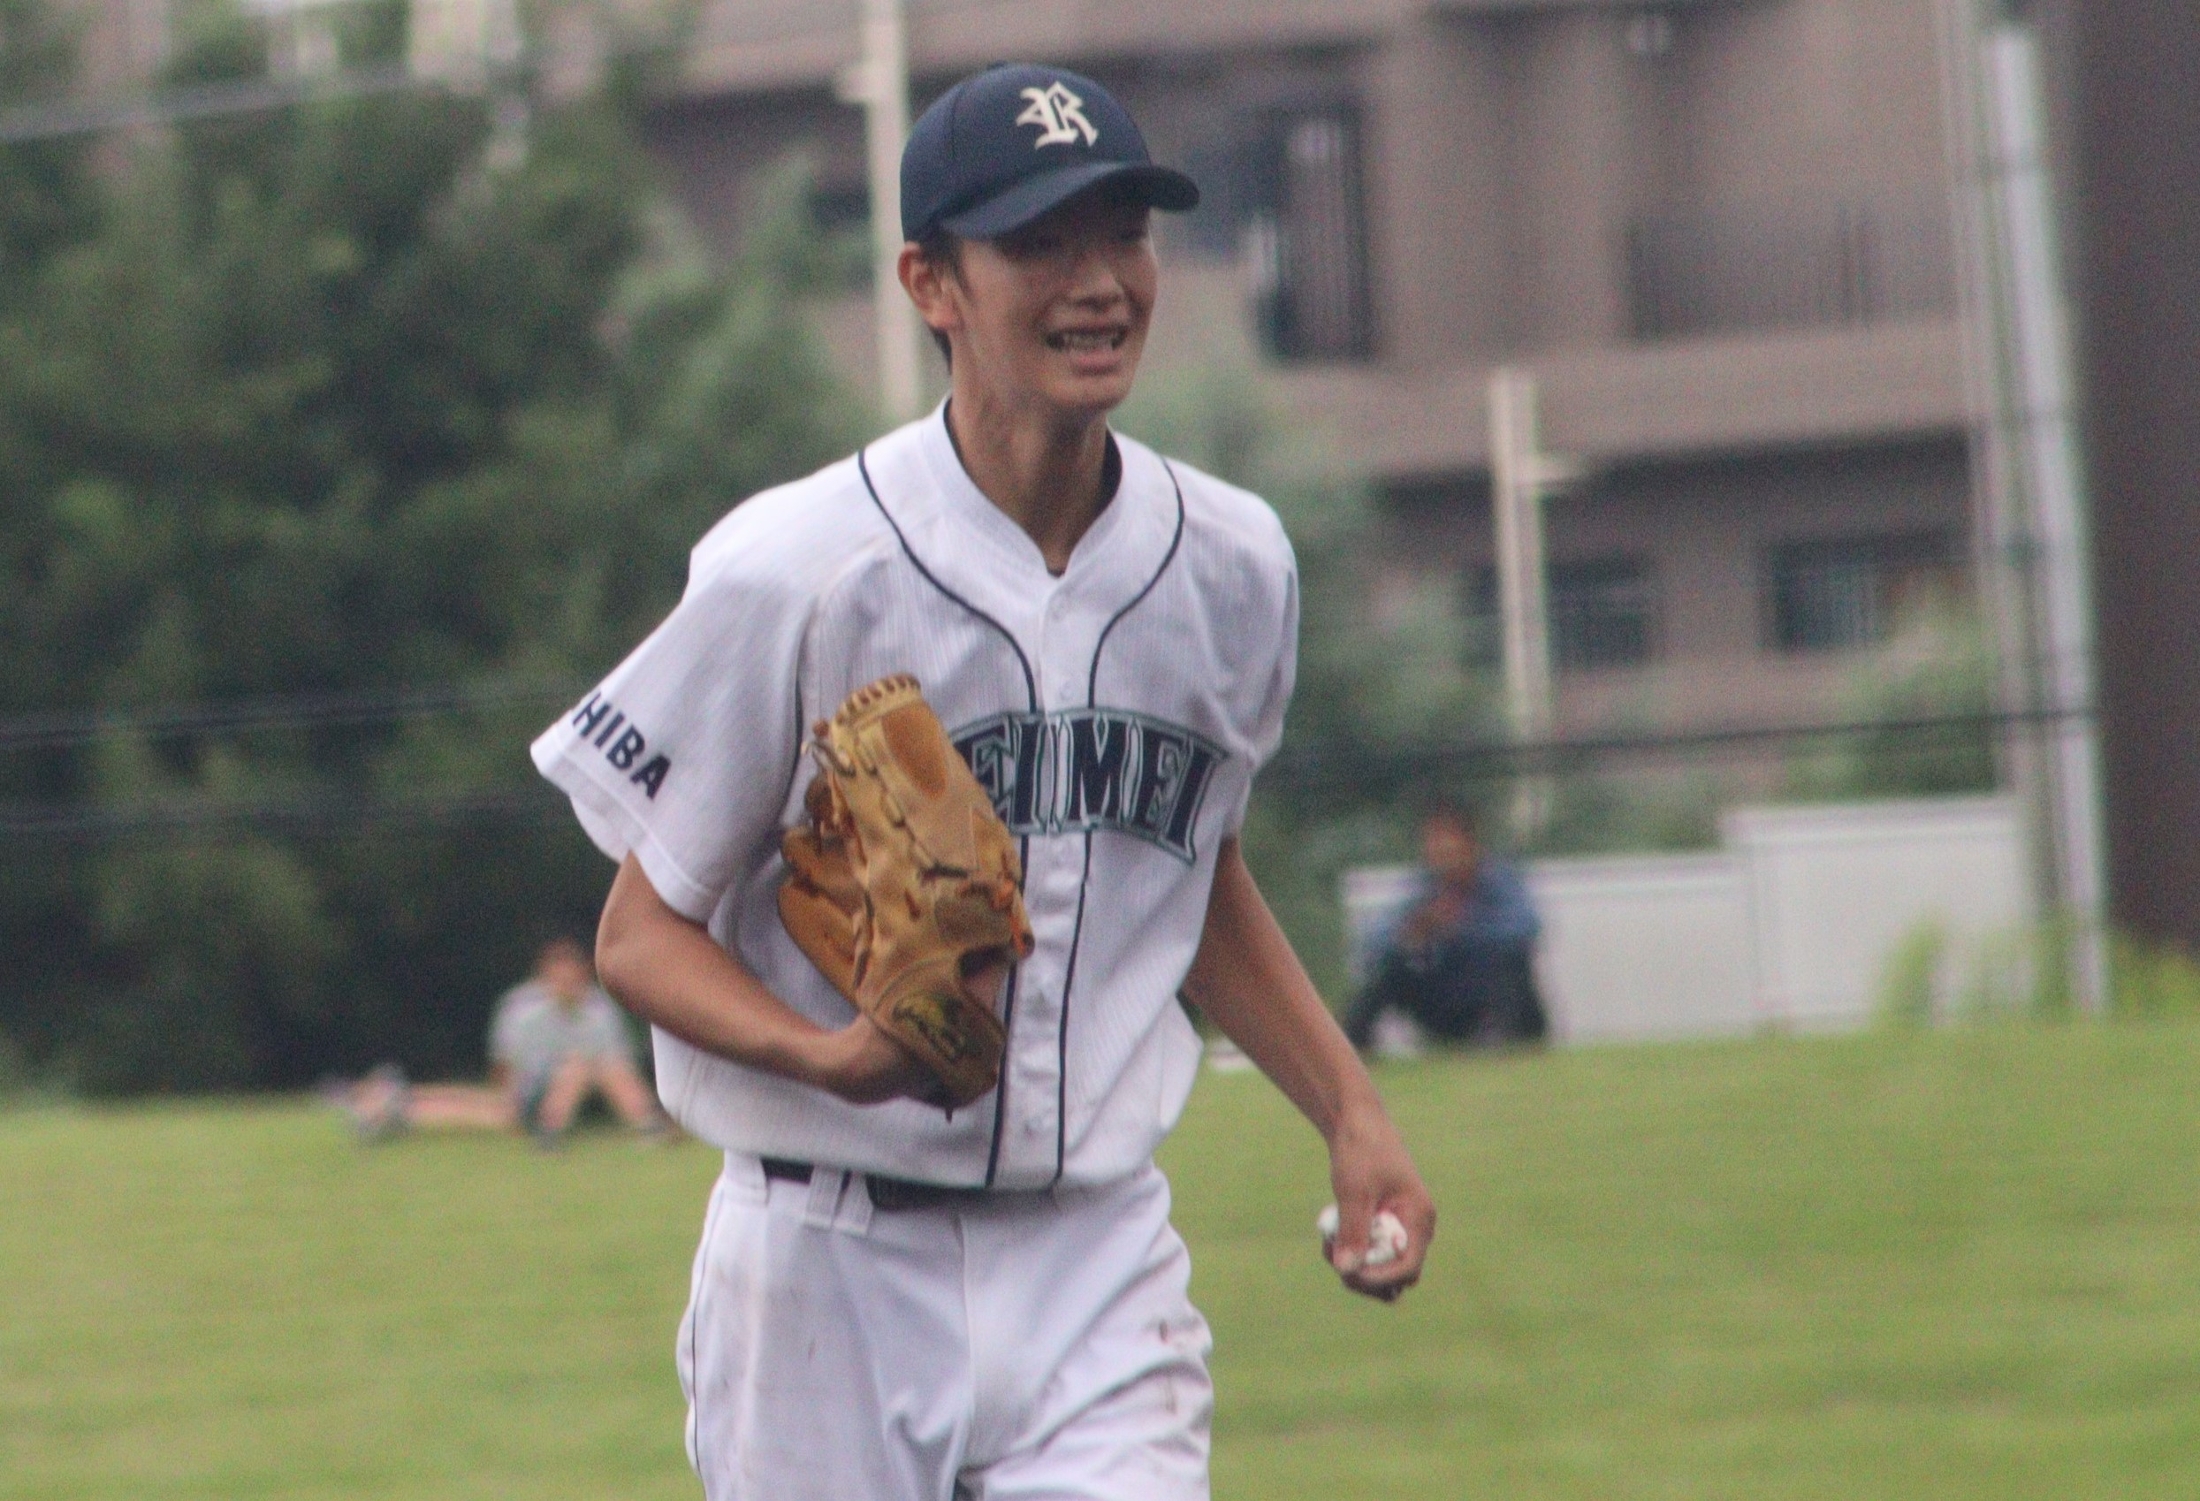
(1248, 981)
(1250, 984)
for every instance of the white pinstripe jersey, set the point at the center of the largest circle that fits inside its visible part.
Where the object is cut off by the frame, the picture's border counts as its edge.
(1117, 715)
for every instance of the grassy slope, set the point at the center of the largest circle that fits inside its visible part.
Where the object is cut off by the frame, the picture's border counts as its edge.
(1948, 1266)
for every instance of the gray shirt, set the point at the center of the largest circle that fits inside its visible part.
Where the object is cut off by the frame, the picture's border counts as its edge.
(533, 1033)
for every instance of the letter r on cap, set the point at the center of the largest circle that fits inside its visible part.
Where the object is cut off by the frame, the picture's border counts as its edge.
(1060, 116)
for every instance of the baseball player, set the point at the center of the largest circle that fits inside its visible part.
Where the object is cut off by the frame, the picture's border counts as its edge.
(893, 1299)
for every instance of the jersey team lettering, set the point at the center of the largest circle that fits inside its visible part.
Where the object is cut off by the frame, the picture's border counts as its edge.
(1080, 770)
(604, 726)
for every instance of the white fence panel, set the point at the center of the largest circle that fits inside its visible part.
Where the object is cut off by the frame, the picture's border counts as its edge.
(1654, 946)
(1834, 889)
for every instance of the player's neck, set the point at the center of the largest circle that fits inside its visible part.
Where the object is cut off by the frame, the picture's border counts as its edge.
(1049, 476)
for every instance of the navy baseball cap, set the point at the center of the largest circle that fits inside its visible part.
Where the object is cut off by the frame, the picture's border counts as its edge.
(1006, 145)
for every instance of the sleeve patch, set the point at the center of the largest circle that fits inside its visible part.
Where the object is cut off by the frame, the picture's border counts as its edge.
(603, 725)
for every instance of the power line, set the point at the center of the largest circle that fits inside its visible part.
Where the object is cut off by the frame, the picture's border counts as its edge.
(298, 816)
(1320, 767)
(1299, 771)
(60, 729)
(43, 122)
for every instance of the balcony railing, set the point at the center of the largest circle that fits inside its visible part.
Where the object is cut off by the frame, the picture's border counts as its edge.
(1714, 271)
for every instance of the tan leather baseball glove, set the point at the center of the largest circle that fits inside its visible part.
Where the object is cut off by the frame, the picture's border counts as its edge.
(904, 882)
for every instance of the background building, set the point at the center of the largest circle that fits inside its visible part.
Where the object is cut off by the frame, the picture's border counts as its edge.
(1716, 234)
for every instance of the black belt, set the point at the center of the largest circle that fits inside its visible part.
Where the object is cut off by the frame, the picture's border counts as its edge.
(889, 1195)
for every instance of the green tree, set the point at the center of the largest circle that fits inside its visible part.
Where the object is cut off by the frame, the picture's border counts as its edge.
(47, 199)
(328, 405)
(1929, 695)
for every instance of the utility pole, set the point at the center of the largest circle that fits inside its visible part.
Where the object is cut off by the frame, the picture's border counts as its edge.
(2034, 575)
(1522, 475)
(462, 44)
(879, 81)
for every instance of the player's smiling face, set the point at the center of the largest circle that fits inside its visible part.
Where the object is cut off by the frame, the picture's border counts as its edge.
(1055, 313)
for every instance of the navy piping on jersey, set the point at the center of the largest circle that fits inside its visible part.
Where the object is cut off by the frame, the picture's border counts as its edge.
(801, 741)
(1031, 693)
(1008, 1029)
(1031, 683)
(1084, 879)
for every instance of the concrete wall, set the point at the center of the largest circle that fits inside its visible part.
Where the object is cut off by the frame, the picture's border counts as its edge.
(1808, 98)
(1645, 948)
(1518, 147)
(1441, 206)
(1509, 149)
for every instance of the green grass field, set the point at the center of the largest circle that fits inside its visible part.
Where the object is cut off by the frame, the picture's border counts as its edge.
(1960, 1265)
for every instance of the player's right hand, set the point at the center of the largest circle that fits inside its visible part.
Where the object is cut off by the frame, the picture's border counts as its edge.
(1371, 1171)
(864, 1066)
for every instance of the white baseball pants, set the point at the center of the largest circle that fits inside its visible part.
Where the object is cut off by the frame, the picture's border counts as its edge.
(1033, 1347)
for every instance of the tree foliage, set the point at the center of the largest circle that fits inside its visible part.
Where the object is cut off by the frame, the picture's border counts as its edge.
(1929, 692)
(318, 401)
(1374, 696)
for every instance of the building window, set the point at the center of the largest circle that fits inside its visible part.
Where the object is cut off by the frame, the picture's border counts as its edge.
(1603, 615)
(840, 213)
(1283, 193)
(1310, 254)
(1220, 164)
(1853, 592)
(1791, 265)
(1483, 628)
(838, 206)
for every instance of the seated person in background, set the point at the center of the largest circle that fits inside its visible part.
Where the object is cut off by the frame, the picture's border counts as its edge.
(556, 1039)
(1460, 960)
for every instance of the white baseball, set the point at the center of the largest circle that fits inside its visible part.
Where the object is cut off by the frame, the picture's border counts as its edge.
(1386, 1238)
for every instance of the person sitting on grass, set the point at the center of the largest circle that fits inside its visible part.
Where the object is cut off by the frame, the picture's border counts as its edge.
(1459, 963)
(557, 1039)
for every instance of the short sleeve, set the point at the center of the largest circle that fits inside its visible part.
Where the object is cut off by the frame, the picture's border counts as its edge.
(682, 756)
(1267, 726)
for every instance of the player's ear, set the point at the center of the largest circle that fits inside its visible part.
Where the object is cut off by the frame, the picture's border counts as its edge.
(931, 284)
